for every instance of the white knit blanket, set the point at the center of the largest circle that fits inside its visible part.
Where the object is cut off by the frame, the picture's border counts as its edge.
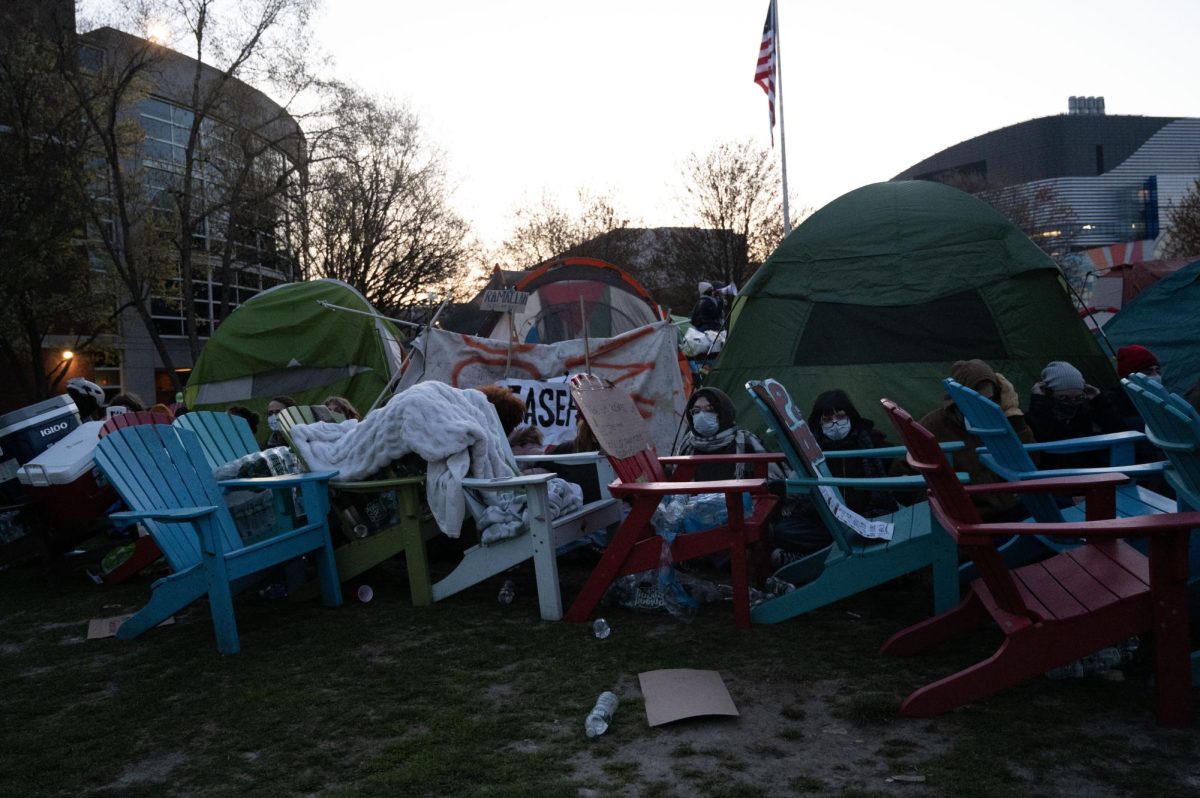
(454, 431)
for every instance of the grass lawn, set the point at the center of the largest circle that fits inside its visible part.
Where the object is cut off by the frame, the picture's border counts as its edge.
(472, 698)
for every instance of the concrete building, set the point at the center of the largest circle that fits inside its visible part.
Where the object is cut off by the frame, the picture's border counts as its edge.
(1116, 175)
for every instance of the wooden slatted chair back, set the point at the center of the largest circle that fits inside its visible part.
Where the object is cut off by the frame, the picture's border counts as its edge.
(303, 414)
(134, 418)
(161, 467)
(985, 420)
(224, 437)
(786, 424)
(1172, 425)
(619, 427)
(952, 506)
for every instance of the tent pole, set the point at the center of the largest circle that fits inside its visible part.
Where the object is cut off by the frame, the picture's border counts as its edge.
(330, 306)
(587, 358)
(512, 335)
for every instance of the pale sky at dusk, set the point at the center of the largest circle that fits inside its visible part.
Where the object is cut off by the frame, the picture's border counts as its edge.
(530, 95)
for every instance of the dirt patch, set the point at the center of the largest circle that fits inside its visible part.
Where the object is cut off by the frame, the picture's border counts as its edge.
(785, 740)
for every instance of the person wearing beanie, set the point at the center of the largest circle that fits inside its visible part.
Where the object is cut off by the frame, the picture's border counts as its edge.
(1063, 406)
(1134, 359)
(947, 424)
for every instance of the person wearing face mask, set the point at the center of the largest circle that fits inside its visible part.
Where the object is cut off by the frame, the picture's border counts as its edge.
(274, 407)
(837, 426)
(712, 429)
(1063, 406)
(947, 424)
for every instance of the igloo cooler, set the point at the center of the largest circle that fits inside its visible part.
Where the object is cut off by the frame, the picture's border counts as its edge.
(26, 433)
(66, 481)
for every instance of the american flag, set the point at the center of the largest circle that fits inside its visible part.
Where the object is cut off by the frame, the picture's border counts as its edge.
(764, 72)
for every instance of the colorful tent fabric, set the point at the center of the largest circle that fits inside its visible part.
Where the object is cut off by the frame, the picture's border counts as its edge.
(1165, 318)
(880, 291)
(283, 341)
(613, 303)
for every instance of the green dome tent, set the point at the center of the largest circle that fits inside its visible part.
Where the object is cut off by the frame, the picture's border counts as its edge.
(1165, 318)
(882, 289)
(284, 342)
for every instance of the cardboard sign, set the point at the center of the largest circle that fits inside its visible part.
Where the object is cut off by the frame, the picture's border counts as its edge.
(505, 300)
(614, 419)
(548, 406)
(679, 693)
(100, 628)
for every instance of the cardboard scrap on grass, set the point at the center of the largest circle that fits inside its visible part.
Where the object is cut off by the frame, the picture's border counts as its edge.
(678, 693)
(100, 628)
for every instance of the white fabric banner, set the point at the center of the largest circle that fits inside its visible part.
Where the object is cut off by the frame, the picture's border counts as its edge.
(644, 362)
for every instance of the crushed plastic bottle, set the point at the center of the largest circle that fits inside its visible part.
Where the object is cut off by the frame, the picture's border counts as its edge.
(601, 629)
(508, 591)
(601, 715)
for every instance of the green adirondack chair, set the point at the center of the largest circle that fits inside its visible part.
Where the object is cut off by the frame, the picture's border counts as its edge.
(161, 473)
(850, 564)
(1008, 457)
(355, 555)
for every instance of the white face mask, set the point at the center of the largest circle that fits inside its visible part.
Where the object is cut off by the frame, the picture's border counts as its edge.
(705, 424)
(273, 422)
(836, 430)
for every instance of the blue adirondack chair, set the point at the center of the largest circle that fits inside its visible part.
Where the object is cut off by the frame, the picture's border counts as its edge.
(1008, 457)
(850, 564)
(161, 473)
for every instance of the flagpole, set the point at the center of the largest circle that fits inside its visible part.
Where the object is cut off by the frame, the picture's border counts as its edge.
(787, 222)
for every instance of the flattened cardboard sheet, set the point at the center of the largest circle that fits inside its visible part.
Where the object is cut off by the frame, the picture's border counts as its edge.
(100, 628)
(678, 693)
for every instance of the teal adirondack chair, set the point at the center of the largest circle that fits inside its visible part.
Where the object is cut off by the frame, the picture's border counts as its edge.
(850, 564)
(161, 473)
(1173, 425)
(223, 437)
(1008, 457)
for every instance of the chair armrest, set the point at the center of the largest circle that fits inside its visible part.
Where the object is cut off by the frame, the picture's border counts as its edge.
(619, 488)
(1133, 526)
(375, 485)
(746, 457)
(504, 483)
(885, 452)
(283, 481)
(1059, 485)
(1132, 471)
(572, 458)
(906, 483)
(177, 514)
(1087, 444)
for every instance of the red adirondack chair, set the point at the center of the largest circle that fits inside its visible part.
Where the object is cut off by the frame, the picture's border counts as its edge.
(145, 550)
(642, 480)
(1058, 610)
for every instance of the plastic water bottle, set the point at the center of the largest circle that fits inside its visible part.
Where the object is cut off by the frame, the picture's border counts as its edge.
(601, 628)
(508, 591)
(1103, 660)
(601, 715)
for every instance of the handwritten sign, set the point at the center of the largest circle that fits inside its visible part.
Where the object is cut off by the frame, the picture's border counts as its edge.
(615, 420)
(505, 300)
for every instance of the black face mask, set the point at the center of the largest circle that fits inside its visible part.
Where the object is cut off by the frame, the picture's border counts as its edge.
(1066, 411)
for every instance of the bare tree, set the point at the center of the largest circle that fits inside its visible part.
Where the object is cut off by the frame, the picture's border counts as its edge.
(1038, 210)
(1183, 225)
(547, 230)
(381, 216)
(47, 280)
(733, 192)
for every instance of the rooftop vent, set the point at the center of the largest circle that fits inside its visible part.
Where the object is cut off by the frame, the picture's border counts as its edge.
(1085, 106)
